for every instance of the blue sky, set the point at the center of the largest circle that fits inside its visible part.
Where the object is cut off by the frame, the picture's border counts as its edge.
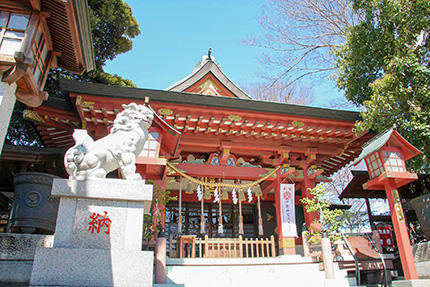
(176, 34)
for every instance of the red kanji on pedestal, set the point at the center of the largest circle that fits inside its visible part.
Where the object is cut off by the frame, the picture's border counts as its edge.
(97, 223)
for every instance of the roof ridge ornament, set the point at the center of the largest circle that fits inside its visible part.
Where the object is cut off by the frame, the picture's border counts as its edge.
(209, 54)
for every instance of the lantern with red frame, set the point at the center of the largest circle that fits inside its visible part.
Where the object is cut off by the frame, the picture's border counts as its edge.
(162, 141)
(385, 157)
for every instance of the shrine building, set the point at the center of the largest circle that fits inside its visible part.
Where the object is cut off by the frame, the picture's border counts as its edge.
(222, 156)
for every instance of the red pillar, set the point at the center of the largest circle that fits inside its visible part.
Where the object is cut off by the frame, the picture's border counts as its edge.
(400, 229)
(277, 189)
(307, 184)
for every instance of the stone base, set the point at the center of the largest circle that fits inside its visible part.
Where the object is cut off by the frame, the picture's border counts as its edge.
(124, 202)
(91, 267)
(412, 283)
(16, 256)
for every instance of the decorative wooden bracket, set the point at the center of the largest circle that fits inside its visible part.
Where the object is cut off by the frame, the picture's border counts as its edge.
(269, 187)
(30, 99)
(226, 148)
(311, 156)
(22, 66)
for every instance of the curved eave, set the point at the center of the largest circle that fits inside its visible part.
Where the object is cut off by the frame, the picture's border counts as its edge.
(198, 74)
(205, 100)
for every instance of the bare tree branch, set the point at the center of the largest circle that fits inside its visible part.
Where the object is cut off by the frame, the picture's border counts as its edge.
(300, 36)
(280, 92)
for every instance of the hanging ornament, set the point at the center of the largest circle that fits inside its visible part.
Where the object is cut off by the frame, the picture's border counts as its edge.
(241, 195)
(207, 194)
(260, 219)
(224, 194)
(234, 196)
(249, 194)
(199, 192)
(240, 211)
(189, 189)
(216, 195)
(257, 191)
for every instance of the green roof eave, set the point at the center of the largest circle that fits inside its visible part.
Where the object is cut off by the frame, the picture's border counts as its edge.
(205, 100)
(374, 144)
(377, 142)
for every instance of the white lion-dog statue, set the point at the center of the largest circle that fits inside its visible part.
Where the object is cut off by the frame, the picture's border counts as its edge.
(89, 158)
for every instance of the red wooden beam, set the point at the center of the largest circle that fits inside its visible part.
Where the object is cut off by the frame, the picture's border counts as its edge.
(226, 172)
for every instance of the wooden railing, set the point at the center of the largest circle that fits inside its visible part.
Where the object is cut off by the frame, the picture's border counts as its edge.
(192, 247)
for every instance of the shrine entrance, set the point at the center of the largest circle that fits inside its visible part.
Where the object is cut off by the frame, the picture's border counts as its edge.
(263, 156)
(191, 219)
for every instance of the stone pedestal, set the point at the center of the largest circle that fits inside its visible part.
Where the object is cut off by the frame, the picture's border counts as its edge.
(98, 236)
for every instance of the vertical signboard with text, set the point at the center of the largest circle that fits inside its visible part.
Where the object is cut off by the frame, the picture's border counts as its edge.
(288, 214)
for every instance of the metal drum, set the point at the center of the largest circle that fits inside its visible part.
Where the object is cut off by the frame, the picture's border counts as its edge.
(33, 209)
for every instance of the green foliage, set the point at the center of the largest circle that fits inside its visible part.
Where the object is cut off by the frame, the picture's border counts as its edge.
(113, 27)
(331, 220)
(384, 67)
(15, 134)
(160, 198)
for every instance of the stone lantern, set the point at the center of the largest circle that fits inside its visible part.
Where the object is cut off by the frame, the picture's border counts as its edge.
(385, 157)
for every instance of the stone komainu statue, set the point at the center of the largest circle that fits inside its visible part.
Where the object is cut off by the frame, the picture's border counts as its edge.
(89, 158)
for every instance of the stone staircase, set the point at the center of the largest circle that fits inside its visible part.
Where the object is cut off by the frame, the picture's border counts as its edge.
(290, 270)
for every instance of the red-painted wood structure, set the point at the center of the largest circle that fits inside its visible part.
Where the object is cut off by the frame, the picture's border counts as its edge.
(385, 157)
(214, 131)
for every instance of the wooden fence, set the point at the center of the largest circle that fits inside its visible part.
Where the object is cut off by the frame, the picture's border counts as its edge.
(192, 247)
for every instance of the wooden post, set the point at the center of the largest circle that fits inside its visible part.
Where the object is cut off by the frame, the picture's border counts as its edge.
(220, 226)
(246, 247)
(193, 248)
(180, 207)
(400, 229)
(170, 245)
(206, 246)
(257, 247)
(272, 239)
(240, 215)
(260, 220)
(202, 212)
(200, 247)
(240, 247)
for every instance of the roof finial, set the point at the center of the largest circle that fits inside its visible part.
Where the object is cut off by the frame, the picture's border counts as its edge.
(209, 54)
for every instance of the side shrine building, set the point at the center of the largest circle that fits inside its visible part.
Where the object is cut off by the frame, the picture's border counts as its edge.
(235, 167)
